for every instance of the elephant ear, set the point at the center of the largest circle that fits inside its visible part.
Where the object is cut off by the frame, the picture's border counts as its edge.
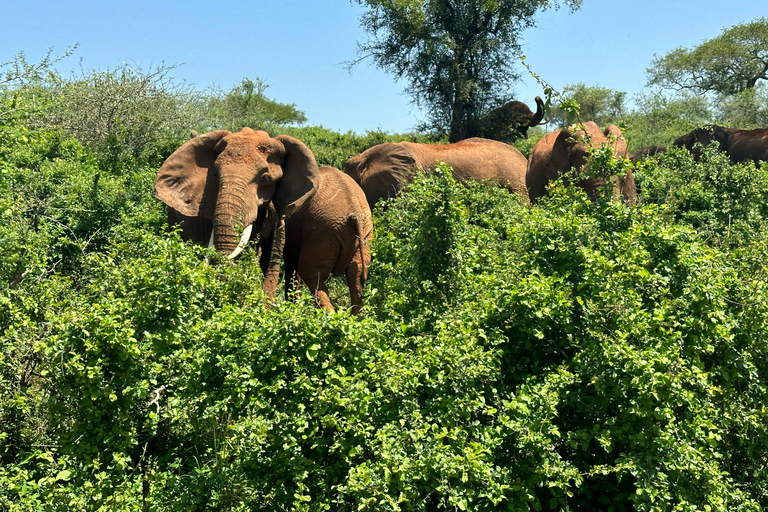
(187, 180)
(560, 159)
(401, 160)
(300, 176)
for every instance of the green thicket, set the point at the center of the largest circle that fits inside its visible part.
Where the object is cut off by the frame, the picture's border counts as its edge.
(573, 355)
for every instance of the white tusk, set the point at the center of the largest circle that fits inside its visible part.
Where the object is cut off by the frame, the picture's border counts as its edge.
(210, 244)
(243, 241)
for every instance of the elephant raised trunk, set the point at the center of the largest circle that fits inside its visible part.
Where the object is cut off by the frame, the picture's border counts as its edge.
(511, 121)
(538, 116)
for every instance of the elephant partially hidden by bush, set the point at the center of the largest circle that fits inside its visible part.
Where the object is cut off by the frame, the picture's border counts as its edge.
(511, 121)
(645, 152)
(555, 154)
(739, 145)
(330, 235)
(220, 182)
(383, 170)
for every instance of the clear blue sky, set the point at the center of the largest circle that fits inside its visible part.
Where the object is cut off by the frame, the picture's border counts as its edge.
(298, 47)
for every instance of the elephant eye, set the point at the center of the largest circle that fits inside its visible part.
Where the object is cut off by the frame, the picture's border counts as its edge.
(266, 178)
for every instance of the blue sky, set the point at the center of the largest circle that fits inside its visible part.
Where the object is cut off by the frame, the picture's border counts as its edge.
(299, 47)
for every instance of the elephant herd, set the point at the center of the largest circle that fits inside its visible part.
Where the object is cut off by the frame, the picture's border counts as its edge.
(224, 189)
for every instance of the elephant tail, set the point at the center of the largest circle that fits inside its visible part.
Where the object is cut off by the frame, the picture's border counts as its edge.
(364, 231)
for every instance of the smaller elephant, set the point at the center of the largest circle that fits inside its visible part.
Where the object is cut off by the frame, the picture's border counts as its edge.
(511, 121)
(645, 152)
(739, 145)
(555, 154)
(383, 170)
(329, 235)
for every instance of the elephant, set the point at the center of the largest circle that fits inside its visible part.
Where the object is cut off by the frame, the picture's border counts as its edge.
(646, 151)
(330, 234)
(739, 145)
(220, 182)
(511, 121)
(383, 170)
(555, 154)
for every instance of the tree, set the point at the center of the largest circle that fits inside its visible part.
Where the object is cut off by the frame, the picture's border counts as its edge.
(117, 112)
(454, 54)
(748, 109)
(246, 105)
(598, 104)
(18, 75)
(728, 64)
(657, 119)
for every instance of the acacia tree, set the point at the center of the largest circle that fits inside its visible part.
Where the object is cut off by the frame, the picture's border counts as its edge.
(247, 105)
(454, 54)
(728, 64)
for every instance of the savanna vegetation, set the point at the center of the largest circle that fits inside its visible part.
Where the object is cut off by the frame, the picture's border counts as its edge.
(573, 355)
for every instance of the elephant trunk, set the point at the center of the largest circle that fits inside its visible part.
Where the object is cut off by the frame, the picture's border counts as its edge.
(539, 115)
(229, 213)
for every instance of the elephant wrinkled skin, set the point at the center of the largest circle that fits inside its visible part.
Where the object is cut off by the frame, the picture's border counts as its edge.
(560, 151)
(739, 145)
(329, 235)
(384, 169)
(220, 182)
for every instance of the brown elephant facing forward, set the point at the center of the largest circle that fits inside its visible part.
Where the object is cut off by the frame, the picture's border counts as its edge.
(383, 170)
(740, 145)
(220, 182)
(560, 151)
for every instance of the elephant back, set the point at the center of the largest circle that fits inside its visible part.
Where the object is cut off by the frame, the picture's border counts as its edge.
(477, 159)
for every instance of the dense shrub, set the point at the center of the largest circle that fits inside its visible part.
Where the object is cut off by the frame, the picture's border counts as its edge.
(726, 203)
(572, 355)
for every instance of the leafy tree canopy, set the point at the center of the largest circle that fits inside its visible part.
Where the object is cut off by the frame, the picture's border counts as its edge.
(247, 105)
(599, 104)
(730, 63)
(455, 55)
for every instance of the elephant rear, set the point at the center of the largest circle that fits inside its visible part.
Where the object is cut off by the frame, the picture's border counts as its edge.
(558, 153)
(330, 236)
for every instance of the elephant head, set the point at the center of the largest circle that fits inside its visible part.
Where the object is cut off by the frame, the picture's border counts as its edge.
(382, 170)
(560, 151)
(221, 180)
(703, 136)
(512, 120)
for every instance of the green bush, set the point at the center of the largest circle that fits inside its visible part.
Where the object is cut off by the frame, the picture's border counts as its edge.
(726, 203)
(572, 355)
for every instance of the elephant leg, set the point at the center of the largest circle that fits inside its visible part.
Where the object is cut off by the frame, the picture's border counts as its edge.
(355, 284)
(316, 284)
(273, 267)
